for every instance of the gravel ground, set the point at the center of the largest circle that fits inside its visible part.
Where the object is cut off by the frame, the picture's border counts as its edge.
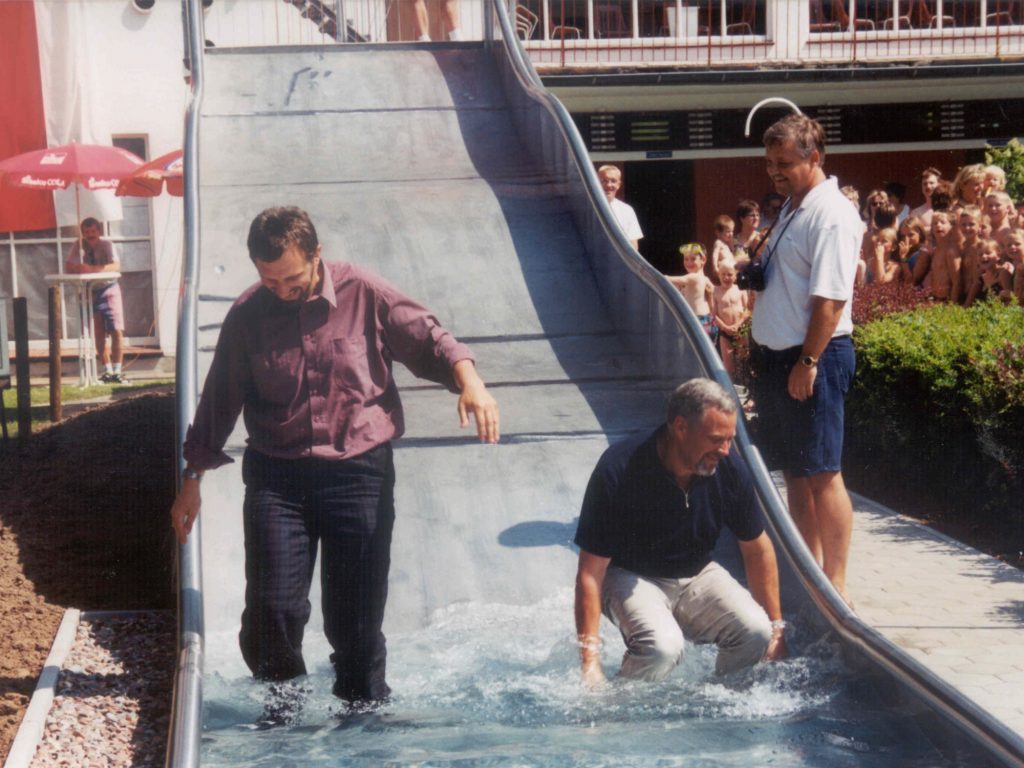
(110, 707)
(83, 524)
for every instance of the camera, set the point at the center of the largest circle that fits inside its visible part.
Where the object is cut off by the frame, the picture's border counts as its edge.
(751, 278)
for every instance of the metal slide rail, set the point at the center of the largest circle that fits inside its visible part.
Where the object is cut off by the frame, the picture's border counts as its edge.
(546, 124)
(187, 706)
(619, 257)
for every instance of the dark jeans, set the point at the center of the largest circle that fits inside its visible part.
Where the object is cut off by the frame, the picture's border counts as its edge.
(348, 507)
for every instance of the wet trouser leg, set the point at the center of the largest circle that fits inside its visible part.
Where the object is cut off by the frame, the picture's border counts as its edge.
(357, 518)
(655, 615)
(280, 551)
(347, 506)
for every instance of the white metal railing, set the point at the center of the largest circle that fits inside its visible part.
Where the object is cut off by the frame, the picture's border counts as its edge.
(567, 34)
(588, 33)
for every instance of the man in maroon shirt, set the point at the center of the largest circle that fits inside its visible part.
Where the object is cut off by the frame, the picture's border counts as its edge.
(305, 356)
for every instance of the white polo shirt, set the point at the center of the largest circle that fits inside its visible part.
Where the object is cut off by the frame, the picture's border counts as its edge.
(815, 255)
(626, 216)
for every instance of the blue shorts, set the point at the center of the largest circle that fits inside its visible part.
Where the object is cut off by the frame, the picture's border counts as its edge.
(106, 303)
(707, 322)
(802, 438)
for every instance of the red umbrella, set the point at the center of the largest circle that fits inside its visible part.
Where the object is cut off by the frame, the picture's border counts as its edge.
(93, 166)
(148, 180)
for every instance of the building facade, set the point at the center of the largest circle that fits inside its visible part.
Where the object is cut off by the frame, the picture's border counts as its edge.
(662, 88)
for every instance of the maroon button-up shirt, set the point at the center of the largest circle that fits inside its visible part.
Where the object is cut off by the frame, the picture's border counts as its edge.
(313, 378)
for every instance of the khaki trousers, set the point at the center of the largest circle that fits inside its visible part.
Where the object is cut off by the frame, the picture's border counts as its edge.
(655, 615)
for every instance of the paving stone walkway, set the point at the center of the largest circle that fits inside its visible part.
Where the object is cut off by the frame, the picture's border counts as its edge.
(956, 610)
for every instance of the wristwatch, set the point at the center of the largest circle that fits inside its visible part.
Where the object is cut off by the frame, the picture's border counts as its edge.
(191, 474)
(809, 361)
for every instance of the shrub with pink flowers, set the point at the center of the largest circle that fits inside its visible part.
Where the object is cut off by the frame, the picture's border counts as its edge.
(876, 300)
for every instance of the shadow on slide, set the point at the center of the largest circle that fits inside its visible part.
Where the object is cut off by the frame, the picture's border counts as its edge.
(449, 170)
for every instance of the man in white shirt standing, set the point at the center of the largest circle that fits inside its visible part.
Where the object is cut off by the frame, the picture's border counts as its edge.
(611, 183)
(802, 324)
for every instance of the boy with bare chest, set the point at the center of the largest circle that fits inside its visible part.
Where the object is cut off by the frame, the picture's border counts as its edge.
(970, 229)
(943, 279)
(696, 288)
(732, 308)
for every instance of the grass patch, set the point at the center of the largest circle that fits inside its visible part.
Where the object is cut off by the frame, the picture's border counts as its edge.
(39, 397)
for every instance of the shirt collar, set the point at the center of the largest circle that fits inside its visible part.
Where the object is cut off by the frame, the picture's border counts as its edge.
(653, 461)
(327, 285)
(818, 190)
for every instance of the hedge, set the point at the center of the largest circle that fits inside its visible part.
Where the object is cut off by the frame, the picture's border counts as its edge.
(938, 402)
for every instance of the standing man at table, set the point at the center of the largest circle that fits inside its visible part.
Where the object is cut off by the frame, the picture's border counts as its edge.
(305, 355)
(93, 253)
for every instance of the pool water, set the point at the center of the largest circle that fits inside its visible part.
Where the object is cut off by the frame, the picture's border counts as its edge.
(498, 685)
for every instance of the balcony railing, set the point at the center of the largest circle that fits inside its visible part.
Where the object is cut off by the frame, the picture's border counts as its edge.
(596, 34)
(600, 33)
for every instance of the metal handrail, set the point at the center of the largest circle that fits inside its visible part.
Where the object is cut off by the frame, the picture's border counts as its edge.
(186, 711)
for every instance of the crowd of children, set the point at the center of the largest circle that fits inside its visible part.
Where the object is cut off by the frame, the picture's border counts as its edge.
(963, 244)
(959, 246)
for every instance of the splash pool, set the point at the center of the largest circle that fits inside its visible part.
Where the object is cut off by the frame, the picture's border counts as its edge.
(494, 685)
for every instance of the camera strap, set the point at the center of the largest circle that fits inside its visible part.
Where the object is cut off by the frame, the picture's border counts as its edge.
(768, 233)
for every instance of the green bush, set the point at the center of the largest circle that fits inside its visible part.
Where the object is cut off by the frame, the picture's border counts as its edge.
(938, 400)
(1011, 159)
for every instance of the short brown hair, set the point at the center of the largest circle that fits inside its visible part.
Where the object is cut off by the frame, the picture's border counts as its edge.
(275, 230)
(805, 132)
(746, 207)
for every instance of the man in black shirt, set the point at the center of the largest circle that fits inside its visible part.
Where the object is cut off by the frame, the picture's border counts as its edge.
(651, 516)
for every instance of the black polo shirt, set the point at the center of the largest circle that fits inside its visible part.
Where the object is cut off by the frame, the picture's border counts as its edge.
(634, 513)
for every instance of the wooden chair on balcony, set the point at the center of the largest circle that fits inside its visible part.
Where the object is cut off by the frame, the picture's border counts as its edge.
(526, 22)
(930, 17)
(1006, 13)
(744, 25)
(836, 19)
(910, 14)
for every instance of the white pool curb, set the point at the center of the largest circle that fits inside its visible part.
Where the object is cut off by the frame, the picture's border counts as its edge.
(30, 731)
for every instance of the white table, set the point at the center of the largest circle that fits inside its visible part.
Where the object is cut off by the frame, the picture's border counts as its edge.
(82, 284)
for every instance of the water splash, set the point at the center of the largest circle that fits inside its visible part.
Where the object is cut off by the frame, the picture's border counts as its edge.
(492, 684)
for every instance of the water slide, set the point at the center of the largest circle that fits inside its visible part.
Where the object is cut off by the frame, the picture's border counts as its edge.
(449, 170)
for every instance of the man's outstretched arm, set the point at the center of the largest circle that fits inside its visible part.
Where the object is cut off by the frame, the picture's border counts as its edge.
(476, 400)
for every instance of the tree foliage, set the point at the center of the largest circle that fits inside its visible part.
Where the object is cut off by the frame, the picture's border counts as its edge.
(1011, 159)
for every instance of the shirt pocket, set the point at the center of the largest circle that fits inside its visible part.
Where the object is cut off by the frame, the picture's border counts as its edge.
(349, 366)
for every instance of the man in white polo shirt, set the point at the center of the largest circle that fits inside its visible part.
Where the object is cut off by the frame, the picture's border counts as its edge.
(611, 183)
(802, 324)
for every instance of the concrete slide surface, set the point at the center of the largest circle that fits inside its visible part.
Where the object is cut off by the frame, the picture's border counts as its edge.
(408, 163)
